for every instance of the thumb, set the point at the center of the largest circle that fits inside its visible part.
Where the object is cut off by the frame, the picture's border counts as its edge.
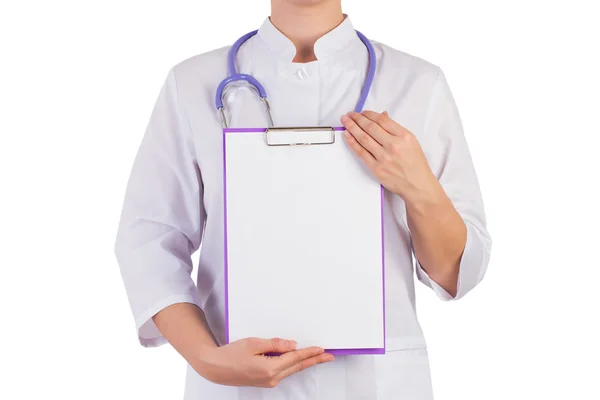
(275, 345)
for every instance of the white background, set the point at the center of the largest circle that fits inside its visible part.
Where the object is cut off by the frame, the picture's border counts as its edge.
(77, 83)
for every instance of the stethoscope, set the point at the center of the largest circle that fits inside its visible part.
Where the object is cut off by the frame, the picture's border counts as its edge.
(234, 76)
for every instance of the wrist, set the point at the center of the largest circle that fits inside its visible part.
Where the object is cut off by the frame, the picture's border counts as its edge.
(426, 199)
(205, 352)
(204, 358)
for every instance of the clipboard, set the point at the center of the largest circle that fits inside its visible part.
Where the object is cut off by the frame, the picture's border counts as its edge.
(303, 240)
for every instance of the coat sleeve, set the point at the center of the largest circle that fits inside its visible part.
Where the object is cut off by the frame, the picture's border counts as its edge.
(448, 155)
(162, 218)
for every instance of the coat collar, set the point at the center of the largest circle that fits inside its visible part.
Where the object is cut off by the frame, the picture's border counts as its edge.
(327, 46)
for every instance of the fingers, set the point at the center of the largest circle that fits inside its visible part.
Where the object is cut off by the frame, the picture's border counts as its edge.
(369, 122)
(362, 137)
(290, 359)
(385, 122)
(274, 345)
(296, 361)
(307, 363)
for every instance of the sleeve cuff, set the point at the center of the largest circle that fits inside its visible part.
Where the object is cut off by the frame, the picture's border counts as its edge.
(148, 333)
(471, 268)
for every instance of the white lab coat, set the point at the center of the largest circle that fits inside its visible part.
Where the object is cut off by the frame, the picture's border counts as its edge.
(174, 198)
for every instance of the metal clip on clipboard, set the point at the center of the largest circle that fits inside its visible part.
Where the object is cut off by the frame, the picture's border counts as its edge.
(298, 135)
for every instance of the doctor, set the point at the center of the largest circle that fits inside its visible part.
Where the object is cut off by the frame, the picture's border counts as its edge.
(309, 58)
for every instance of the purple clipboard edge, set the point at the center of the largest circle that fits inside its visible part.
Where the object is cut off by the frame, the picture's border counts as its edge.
(255, 130)
(356, 351)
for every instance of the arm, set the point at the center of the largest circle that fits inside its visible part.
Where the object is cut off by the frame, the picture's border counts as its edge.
(240, 363)
(162, 218)
(438, 237)
(448, 226)
(438, 184)
(186, 329)
(160, 228)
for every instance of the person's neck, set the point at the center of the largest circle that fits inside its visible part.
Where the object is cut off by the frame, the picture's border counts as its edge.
(303, 25)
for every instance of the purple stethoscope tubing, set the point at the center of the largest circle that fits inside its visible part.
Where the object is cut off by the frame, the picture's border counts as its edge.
(233, 76)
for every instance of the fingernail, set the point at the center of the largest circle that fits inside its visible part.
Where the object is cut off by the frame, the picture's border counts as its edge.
(344, 118)
(330, 358)
(346, 134)
(292, 343)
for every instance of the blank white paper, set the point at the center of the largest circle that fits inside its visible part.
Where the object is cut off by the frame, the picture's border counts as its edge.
(304, 244)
